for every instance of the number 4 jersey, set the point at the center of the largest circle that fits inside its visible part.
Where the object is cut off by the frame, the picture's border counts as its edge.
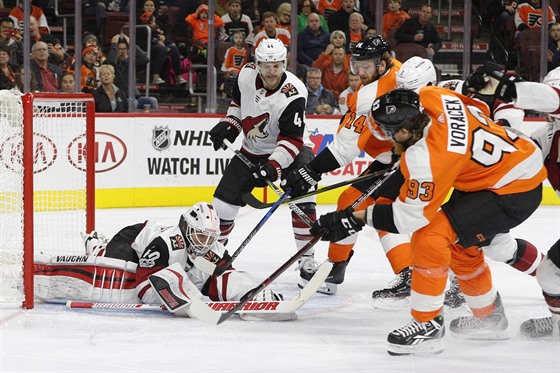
(462, 149)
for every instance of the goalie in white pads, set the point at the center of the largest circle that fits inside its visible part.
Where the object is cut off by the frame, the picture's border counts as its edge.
(156, 266)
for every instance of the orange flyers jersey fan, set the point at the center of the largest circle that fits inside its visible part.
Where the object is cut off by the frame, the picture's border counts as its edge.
(353, 132)
(234, 59)
(532, 17)
(463, 149)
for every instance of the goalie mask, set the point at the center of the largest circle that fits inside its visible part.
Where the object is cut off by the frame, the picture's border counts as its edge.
(200, 226)
(395, 110)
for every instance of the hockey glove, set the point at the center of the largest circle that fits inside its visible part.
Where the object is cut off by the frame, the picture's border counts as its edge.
(266, 171)
(301, 180)
(337, 225)
(506, 90)
(228, 128)
(477, 81)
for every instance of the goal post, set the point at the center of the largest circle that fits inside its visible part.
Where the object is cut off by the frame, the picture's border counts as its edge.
(47, 186)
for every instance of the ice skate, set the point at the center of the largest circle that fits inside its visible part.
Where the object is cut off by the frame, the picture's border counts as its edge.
(397, 295)
(453, 296)
(492, 327)
(417, 338)
(335, 278)
(545, 327)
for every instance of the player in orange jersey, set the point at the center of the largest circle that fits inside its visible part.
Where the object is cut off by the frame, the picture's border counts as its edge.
(371, 60)
(448, 141)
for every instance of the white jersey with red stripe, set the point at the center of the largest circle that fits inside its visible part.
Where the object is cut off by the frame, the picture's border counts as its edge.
(159, 246)
(463, 149)
(273, 121)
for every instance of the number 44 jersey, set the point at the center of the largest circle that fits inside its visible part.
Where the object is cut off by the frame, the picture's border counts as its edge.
(463, 149)
(273, 120)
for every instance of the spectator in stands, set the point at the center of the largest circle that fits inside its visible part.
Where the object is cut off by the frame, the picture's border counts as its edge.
(56, 52)
(499, 12)
(338, 39)
(161, 19)
(158, 41)
(235, 58)
(7, 74)
(354, 83)
(371, 31)
(319, 99)
(11, 38)
(88, 70)
(335, 73)
(528, 15)
(235, 21)
(90, 39)
(108, 97)
(305, 8)
(17, 15)
(270, 31)
(328, 7)
(339, 19)
(284, 15)
(312, 41)
(199, 24)
(421, 31)
(553, 52)
(20, 74)
(46, 74)
(356, 30)
(394, 17)
(68, 82)
(118, 58)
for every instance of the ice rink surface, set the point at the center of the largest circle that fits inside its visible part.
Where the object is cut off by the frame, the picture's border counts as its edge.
(342, 333)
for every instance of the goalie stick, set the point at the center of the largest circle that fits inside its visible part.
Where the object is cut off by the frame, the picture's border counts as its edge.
(276, 189)
(219, 269)
(254, 202)
(318, 277)
(286, 306)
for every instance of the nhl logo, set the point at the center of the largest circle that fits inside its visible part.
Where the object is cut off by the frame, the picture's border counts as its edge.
(390, 109)
(160, 138)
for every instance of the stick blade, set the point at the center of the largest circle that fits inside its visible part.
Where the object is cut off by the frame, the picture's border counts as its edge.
(198, 309)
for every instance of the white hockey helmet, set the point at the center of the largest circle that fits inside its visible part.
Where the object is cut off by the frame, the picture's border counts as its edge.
(271, 50)
(415, 73)
(200, 226)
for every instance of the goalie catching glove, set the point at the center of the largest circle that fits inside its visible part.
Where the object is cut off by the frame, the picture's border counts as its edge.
(301, 180)
(337, 225)
(269, 171)
(227, 128)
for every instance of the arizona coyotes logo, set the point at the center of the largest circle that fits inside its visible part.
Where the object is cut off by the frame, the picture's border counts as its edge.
(254, 127)
(212, 257)
(177, 242)
(289, 90)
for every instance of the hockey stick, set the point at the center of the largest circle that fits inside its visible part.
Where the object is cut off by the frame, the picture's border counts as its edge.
(317, 278)
(254, 202)
(277, 190)
(287, 306)
(218, 270)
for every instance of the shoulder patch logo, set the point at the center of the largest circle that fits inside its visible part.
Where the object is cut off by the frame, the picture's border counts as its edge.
(177, 242)
(251, 65)
(289, 90)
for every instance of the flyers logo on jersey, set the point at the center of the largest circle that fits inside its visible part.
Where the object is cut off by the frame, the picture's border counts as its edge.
(289, 90)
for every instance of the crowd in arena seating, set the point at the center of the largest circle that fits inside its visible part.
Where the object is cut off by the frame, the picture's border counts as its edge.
(326, 33)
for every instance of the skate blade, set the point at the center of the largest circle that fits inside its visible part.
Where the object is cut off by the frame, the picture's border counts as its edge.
(431, 347)
(391, 303)
(484, 335)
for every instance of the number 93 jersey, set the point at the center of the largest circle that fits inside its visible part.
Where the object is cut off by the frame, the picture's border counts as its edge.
(461, 148)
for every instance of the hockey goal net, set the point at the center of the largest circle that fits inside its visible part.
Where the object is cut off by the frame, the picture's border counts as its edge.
(46, 183)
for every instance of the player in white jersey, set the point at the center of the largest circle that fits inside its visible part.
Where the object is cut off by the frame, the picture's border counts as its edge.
(268, 107)
(122, 269)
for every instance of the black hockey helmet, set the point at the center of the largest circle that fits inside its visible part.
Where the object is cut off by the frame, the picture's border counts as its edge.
(370, 47)
(395, 110)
